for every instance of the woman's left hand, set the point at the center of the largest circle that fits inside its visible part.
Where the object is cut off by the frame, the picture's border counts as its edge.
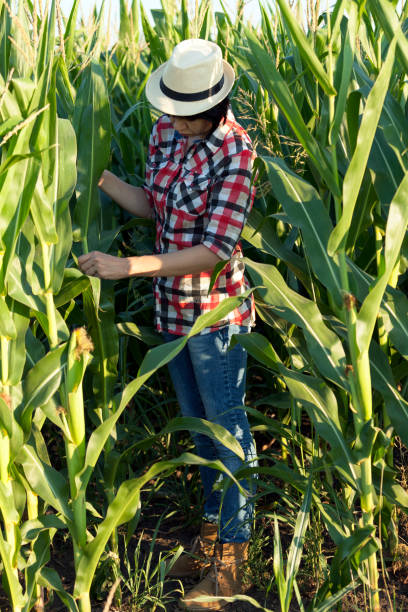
(103, 265)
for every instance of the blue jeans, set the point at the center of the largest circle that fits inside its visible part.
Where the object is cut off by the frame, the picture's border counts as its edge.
(209, 381)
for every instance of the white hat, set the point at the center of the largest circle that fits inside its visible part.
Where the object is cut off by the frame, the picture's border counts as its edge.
(192, 81)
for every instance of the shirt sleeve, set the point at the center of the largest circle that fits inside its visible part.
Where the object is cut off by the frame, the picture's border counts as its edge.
(148, 181)
(229, 204)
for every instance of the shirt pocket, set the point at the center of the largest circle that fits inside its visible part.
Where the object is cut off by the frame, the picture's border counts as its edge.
(193, 193)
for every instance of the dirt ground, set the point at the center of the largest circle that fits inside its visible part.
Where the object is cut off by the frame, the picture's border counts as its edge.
(177, 531)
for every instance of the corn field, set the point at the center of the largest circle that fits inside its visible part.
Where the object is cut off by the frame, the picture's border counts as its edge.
(90, 436)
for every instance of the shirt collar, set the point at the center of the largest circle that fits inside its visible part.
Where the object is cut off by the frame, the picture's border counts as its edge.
(215, 140)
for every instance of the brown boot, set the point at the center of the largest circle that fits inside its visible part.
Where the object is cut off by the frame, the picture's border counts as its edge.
(198, 559)
(223, 580)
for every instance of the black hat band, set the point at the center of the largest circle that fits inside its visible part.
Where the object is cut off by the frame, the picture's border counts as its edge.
(191, 97)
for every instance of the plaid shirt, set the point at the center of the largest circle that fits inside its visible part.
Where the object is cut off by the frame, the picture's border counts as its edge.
(200, 196)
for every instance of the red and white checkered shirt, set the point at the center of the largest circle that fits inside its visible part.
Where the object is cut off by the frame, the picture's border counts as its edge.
(202, 196)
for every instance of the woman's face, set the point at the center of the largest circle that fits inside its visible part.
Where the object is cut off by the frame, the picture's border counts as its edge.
(198, 128)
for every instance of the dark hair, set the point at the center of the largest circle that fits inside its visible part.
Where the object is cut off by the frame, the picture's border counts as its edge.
(216, 114)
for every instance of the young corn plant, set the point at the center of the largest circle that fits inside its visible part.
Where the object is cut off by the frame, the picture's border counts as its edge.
(329, 206)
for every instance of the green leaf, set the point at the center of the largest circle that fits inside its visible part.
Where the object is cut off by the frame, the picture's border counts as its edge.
(305, 210)
(67, 176)
(39, 556)
(5, 43)
(263, 65)
(278, 567)
(17, 350)
(394, 235)
(385, 14)
(345, 62)
(321, 405)
(393, 307)
(49, 579)
(7, 504)
(323, 344)
(92, 126)
(382, 380)
(305, 49)
(259, 347)
(201, 426)
(73, 284)
(354, 544)
(46, 42)
(154, 359)
(296, 545)
(40, 384)
(31, 528)
(386, 485)
(70, 33)
(49, 484)
(102, 328)
(355, 172)
(14, 204)
(122, 509)
(16, 591)
(145, 334)
(338, 597)
(7, 327)
(260, 232)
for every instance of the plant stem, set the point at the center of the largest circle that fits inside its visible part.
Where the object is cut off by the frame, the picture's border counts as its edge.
(32, 512)
(49, 298)
(4, 363)
(4, 456)
(85, 602)
(52, 321)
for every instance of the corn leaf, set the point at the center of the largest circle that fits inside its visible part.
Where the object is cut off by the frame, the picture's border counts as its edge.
(305, 49)
(305, 210)
(345, 63)
(122, 509)
(5, 44)
(260, 232)
(92, 126)
(321, 405)
(395, 232)
(296, 545)
(355, 172)
(102, 327)
(15, 588)
(263, 66)
(16, 349)
(46, 481)
(49, 579)
(40, 384)
(323, 344)
(154, 359)
(69, 35)
(385, 14)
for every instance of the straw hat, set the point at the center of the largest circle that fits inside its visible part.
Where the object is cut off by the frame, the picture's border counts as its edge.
(192, 81)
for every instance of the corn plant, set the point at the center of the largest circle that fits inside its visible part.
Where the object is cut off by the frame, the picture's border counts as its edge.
(349, 112)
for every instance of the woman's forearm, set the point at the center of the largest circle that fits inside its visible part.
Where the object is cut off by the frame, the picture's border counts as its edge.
(191, 260)
(131, 198)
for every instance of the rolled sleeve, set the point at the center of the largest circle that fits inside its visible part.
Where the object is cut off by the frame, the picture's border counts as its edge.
(229, 204)
(147, 185)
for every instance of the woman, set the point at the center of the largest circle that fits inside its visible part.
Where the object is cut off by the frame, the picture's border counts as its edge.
(198, 190)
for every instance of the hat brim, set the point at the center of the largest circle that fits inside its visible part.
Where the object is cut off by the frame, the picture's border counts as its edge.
(184, 109)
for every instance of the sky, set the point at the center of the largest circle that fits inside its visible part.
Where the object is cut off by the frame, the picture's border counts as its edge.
(251, 9)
